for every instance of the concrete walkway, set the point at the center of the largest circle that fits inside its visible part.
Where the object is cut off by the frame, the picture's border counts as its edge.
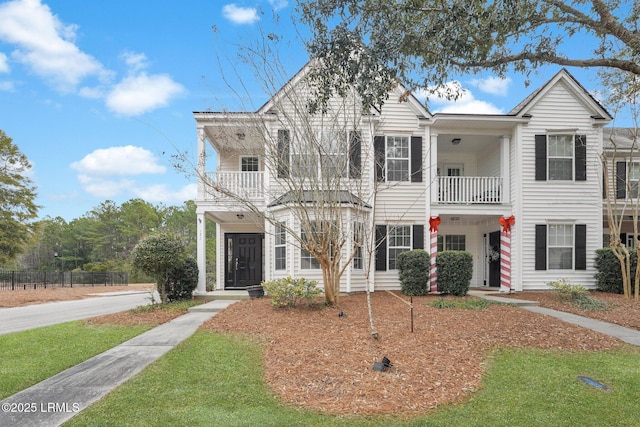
(57, 399)
(627, 335)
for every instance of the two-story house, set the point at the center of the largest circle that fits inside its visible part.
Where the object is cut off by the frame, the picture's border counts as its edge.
(520, 191)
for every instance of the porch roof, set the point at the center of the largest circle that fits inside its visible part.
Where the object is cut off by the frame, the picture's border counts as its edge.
(316, 196)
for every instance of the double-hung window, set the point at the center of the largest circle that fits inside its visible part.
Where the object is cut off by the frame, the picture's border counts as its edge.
(358, 241)
(560, 151)
(399, 241)
(280, 246)
(333, 160)
(319, 236)
(633, 176)
(452, 242)
(560, 246)
(397, 158)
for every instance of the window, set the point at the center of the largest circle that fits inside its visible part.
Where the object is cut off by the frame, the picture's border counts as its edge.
(358, 241)
(319, 229)
(452, 242)
(560, 246)
(280, 246)
(633, 176)
(334, 153)
(560, 157)
(399, 241)
(249, 164)
(397, 161)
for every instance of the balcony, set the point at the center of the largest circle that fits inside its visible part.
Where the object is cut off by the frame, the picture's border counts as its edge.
(485, 190)
(230, 186)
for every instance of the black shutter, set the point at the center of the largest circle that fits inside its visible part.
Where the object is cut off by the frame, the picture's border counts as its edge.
(621, 180)
(355, 157)
(381, 247)
(581, 247)
(418, 236)
(416, 159)
(378, 147)
(284, 141)
(581, 157)
(541, 157)
(541, 247)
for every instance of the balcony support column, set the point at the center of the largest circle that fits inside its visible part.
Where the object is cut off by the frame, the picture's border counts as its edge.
(505, 195)
(201, 254)
(433, 167)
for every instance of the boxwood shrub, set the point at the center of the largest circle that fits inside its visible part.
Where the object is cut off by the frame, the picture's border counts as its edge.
(609, 277)
(413, 269)
(455, 269)
(183, 281)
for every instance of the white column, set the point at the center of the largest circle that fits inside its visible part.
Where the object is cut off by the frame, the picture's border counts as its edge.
(433, 167)
(201, 256)
(505, 170)
(201, 171)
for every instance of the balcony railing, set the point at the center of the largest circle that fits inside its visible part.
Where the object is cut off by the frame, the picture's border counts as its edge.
(470, 189)
(246, 185)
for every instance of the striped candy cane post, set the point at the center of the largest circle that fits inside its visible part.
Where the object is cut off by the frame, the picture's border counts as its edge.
(433, 277)
(505, 261)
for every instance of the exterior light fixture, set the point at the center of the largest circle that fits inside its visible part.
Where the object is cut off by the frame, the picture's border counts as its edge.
(240, 216)
(456, 141)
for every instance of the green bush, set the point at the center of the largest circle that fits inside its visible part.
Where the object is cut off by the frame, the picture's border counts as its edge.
(577, 294)
(413, 269)
(609, 277)
(285, 292)
(455, 269)
(183, 280)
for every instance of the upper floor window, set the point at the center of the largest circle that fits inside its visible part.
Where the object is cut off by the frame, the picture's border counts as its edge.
(627, 179)
(249, 164)
(397, 161)
(398, 158)
(560, 157)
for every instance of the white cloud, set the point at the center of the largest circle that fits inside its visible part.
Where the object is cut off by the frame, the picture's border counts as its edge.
(492, 85)
(160, 193)
(465, 103)
(135, 61)
(104, 188)
(45, 44)
(142, 93)
(4, 65)
(278, 4)
(240, 15)
(127, 160)
(6, 86)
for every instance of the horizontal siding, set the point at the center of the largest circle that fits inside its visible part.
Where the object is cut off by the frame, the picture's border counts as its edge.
(548, 201)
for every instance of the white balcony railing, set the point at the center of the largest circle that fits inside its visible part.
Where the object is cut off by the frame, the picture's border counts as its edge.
(470, 189)
(246, 185)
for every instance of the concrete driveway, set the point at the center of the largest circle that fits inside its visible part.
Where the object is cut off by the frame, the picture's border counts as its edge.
(34, 316)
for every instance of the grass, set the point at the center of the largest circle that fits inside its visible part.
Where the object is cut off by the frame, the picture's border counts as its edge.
(213, 379)
(31, 356)
(175, 306)
(467, 304)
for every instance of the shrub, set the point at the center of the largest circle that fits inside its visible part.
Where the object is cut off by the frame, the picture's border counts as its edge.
(576, 294)
(413, 269)
(609, 277)
(455, 269)
(285, 292)
(183, 280)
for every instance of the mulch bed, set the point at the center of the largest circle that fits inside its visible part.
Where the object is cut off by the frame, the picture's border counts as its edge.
(320, 360)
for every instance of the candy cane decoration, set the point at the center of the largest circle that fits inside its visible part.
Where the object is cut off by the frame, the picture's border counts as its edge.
(505, 253)
(434, 221)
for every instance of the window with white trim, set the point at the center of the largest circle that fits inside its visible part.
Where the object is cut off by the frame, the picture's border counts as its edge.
(452, 242)
(560, 246)
(358, 241)
(399, 239)
(308, 261)
(280, 246)
(397, 158)
(560, 155)
(633, 176)
(333, 161)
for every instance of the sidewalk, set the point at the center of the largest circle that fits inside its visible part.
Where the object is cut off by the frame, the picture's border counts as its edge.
(627, 335)
(57, 399)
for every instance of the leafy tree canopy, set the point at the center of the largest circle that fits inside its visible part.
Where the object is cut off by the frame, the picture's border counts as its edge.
(423, 43)
(17, 200)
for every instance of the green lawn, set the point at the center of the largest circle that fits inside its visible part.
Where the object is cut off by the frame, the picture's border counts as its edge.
(28, 357)
(216, 380)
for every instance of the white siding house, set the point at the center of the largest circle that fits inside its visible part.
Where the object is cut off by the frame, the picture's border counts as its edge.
(403, 166)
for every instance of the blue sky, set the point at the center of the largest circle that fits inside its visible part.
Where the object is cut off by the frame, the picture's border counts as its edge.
(99, 96)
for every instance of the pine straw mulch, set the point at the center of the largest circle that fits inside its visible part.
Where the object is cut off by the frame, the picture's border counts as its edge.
(22, 297)
(317, 359)
(621, 311)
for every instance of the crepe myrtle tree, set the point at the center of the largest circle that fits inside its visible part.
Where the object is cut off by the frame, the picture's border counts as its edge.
(622, 149)
(424, 43)
(158, 255)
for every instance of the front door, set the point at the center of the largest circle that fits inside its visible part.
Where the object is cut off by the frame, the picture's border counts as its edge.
(494, 258)
(243, 255)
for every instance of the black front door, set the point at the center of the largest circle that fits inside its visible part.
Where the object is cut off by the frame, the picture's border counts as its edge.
(243, 255)
(494, 258)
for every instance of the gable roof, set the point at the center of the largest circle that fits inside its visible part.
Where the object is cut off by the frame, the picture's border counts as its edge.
(598, 110)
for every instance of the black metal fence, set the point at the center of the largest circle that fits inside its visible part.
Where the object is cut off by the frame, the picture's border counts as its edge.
(15, 280)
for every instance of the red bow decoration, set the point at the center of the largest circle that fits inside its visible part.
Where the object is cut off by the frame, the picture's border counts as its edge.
(507, 223)
(434, 222)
